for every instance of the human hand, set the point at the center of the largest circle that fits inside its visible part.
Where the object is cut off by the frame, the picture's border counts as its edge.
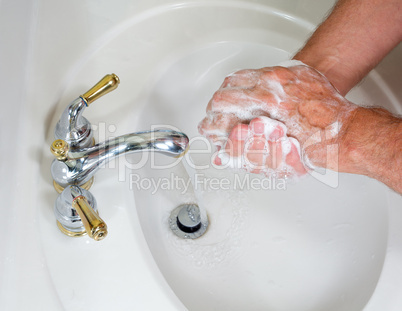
(275, 120)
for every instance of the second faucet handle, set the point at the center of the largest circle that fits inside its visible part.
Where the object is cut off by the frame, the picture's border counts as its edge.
(94, 226)
(77, 214)
(107, 84)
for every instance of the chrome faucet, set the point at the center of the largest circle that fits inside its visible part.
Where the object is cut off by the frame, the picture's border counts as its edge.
(77, 167)
(78, 158)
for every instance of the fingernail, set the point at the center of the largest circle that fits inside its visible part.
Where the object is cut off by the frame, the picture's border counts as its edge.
(258, 127)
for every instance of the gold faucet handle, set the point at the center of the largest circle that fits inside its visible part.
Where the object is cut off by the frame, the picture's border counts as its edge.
(94, 226)
(104, 86)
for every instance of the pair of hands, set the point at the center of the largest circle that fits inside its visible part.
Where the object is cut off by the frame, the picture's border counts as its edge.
(278, 121)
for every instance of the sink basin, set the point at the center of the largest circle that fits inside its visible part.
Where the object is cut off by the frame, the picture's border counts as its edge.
(321, 241)
(329, 242)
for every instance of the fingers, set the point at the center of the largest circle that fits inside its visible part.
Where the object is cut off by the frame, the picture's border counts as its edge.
(247, 90)
(243, 78)
(216, 127)
(229, 100)
(262, 147)
(241, 97)
(246, 104)
(256, 151)
(293, 158)
(237, 140)
(234, 146)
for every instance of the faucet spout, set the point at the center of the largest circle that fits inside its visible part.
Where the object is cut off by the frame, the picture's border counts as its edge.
(78, 166)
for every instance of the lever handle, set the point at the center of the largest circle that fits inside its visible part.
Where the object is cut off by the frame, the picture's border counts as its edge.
(94, 225)
(107, 84)
(77, 214)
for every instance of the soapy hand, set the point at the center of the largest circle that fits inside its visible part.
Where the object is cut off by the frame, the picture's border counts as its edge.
(277, 121)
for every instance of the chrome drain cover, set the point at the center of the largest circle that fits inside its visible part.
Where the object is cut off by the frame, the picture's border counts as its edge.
(187, 222)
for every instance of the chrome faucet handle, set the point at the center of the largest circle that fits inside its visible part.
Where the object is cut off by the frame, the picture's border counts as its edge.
(77, 214)
(72, 126)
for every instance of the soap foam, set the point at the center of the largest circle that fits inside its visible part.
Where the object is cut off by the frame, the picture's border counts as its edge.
(276, 89)
(286, 146)
(333, 130)
(215, 132)
(236, 163)
(246, 111)
(292, 63)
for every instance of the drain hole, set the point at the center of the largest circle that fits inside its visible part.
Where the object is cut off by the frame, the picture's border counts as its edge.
(187, 222)
(188, 229)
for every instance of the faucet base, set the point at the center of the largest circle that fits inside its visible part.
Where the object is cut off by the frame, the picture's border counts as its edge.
(85, 186)
(69, 232)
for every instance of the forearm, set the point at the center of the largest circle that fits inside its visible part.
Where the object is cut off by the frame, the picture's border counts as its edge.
(353, 40)
(372, 146)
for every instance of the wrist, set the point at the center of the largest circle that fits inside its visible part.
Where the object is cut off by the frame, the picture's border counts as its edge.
(371, 146)
(337, 72)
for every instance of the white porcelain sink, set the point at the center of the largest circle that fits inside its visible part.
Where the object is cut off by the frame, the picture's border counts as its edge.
(333, 244)
(318, 245)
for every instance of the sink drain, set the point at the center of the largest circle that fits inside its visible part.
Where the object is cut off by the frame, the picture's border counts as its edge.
(187, 222)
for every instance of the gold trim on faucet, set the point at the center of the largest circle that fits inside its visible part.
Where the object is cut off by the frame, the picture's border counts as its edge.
(107, 84)
(95, 227)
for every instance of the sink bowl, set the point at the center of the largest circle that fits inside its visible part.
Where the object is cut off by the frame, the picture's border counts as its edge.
(321, 241)
(329, 242)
